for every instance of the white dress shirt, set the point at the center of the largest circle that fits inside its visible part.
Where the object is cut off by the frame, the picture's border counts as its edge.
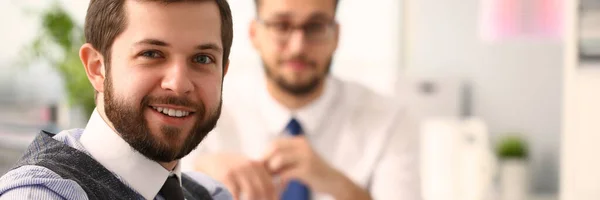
(367, 137)
(108, 148)
(141, 174)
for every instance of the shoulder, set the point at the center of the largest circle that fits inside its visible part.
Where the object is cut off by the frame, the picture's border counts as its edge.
(367, 106)
(217, 190)
(71, 138)
(374, 113)
(36, 181)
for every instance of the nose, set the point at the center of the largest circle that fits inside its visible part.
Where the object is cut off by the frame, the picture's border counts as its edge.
(177, 80)
(297, 42)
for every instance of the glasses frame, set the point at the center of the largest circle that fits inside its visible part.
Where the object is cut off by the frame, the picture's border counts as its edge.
(330, 28)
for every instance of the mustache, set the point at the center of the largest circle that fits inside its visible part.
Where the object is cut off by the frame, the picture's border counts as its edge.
(299, 58)
(173, 100)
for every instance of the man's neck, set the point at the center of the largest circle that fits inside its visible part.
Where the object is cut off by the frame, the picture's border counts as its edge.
(291, 101)
(169, 166)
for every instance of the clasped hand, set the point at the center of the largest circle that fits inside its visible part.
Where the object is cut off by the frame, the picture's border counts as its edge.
(265, 179)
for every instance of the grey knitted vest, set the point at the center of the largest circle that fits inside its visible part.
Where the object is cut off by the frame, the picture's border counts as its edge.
(97, 181)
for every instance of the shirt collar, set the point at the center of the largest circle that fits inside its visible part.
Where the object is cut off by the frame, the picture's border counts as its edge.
(143, 175)
(310, 116)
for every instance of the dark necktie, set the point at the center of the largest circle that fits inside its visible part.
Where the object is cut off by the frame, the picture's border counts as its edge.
(295, 190)
(171, 190)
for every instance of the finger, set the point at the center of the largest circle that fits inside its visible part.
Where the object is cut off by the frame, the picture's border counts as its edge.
(266, 187)
(249, 183)
(279, 186)
(260, 180)
(283, 161)
(289, 175)
(231, 184)
(279, 146)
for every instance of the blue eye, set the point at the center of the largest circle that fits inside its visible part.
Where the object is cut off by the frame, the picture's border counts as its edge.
(151, 54)
(203, 59)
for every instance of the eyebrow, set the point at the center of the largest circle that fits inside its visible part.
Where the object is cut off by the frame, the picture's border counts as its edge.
(152, 42)
(210, 46)
(318, 16)
(283, 15)
(207, 46)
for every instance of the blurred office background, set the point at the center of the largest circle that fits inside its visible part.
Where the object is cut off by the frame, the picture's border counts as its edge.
(474, 71)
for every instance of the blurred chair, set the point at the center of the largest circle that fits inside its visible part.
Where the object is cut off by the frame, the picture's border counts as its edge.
(434, 97)
(19, 124)
(456, 158)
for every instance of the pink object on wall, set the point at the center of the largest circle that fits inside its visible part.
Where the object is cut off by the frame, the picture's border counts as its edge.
(548, 20)
(515, 19)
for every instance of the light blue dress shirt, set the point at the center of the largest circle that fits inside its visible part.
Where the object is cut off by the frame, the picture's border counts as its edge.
(36, 182)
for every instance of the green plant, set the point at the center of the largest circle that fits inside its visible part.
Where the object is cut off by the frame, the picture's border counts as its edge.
(58, 43)
(512, 146)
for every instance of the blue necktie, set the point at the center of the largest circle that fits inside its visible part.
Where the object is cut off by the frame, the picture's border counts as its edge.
(295, 189)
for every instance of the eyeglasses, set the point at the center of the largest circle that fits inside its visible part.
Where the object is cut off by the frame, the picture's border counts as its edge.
(317, 31)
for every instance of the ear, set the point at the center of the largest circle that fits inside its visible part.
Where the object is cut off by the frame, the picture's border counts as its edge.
(226, 68)
(252, 33)
(337, 34)
(93, 62)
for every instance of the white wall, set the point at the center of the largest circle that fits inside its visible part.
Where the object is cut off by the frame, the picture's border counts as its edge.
(516, 84)
(19, 16)
(368, 51)
(35, 84)
(581, 128)
(581, 135)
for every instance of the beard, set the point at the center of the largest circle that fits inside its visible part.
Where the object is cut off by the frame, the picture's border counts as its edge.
(166, 145)
(298, 89)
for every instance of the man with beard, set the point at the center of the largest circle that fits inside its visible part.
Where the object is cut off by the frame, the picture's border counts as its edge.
(157, 67)
(302, 134)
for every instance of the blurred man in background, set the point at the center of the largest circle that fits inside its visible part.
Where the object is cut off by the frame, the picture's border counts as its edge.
(304, 134)
(157, 67)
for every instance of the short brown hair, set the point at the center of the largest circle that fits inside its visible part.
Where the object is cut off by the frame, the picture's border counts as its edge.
(105, 20)
(257, 3)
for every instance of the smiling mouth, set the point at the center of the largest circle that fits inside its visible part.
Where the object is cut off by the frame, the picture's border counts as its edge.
(172, 112)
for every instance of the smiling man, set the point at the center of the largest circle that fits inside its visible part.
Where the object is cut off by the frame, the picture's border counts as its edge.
(157, 67)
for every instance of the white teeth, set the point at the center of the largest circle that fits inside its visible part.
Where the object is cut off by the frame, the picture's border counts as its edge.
(171, 112)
